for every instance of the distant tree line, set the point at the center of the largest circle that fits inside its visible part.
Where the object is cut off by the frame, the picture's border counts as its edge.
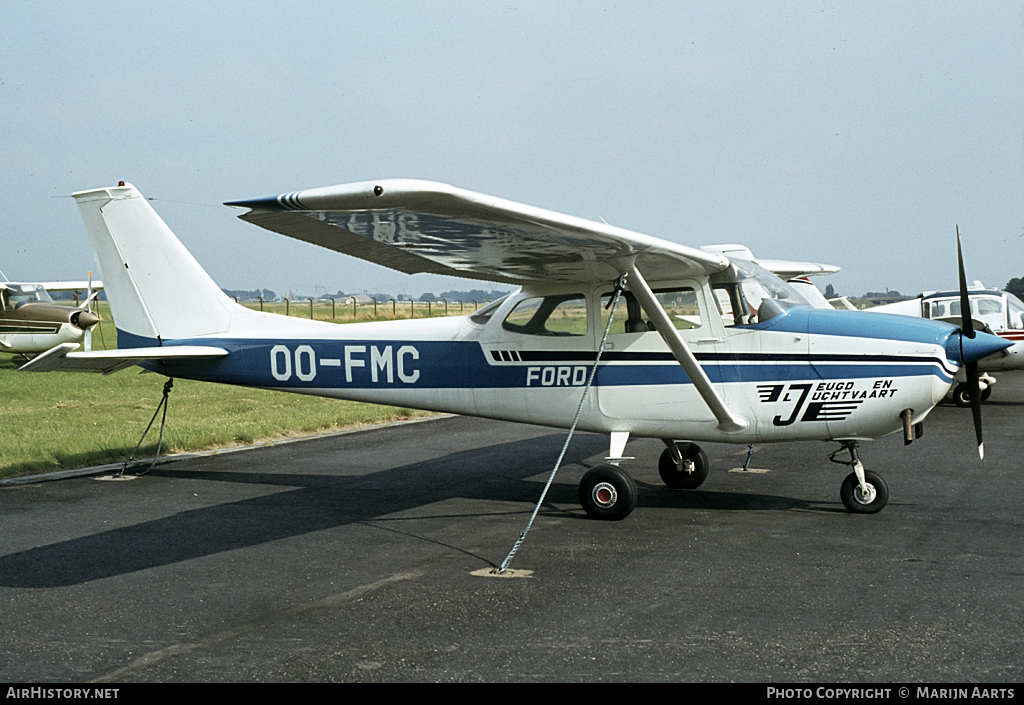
(467, 296)
(1016, 287)
(254, 295)
(70, 296)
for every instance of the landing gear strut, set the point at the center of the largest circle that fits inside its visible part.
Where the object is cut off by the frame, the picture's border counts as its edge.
(862, 492)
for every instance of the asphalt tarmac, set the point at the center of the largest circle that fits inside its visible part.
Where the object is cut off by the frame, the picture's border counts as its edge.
(356, 557)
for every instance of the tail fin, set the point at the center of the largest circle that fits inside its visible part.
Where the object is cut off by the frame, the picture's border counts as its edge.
(155, 287)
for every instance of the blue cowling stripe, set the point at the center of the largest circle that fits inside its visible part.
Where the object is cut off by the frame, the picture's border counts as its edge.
(857, 324)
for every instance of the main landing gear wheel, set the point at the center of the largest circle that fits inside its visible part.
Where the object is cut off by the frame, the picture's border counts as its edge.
(687, 474)
(608, 493)
(859, 502)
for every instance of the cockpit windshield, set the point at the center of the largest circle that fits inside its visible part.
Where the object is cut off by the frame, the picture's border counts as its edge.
(15, 295)
(747, 293)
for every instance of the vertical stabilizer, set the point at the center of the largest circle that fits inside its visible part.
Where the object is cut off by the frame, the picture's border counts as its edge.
(154, 285)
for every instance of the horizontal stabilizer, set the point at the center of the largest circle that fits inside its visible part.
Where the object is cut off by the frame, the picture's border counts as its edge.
(60, 358)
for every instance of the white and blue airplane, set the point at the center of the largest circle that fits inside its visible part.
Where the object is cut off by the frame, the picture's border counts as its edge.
(673, 365)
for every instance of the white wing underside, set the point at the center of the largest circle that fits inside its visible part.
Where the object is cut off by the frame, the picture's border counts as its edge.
(64, 286)
(421, 226)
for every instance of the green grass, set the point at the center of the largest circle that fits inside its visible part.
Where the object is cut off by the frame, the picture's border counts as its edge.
(68, 420)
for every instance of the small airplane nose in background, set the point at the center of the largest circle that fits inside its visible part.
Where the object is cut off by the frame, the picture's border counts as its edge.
(980, 346)
(84, 319)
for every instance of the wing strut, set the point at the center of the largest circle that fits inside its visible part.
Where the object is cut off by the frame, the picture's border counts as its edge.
(728, 422)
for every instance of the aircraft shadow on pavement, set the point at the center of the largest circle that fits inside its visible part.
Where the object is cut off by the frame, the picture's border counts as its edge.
(663, 497)
(311, 502)
(306, 503)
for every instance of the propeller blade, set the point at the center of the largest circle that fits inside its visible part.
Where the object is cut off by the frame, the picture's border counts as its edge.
(974, 389)
(88, 307)
(966, 322)
(967, 330)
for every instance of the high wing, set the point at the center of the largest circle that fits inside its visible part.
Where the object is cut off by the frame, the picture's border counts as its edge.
(72, 286)
(783, 269)
(421, 226)
(63, 286)
(786, 270)
(62, 358)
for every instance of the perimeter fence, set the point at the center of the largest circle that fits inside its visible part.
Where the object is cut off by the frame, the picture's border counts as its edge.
(342, 311)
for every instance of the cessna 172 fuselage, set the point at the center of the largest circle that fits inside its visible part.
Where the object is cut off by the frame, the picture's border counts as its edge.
(701, 347)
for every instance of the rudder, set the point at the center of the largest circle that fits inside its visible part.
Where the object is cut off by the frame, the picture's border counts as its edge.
(156, 288)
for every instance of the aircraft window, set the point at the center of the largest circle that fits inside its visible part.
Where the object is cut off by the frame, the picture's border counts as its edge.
(26, 294)
(564, 314)
(988, 310)
(989, 306)
(732, 306)
(481, 316)
(748, 293)
(679, 303)
(1016, 312)
(945, 308)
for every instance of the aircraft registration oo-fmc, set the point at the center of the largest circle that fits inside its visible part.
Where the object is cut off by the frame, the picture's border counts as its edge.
(701, 347)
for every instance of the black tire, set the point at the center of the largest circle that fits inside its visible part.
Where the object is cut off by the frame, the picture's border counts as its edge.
(985, 394)
(690, 474)
(608, 493)
(962, 395)
(853, 499)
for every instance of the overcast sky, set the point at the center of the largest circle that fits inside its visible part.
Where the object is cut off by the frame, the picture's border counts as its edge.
(853, 133)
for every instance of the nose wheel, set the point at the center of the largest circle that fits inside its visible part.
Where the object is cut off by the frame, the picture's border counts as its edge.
(862, 492)
(683, 466)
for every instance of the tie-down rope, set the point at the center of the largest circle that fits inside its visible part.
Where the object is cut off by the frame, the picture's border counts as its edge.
(163, 403)
(620, 285)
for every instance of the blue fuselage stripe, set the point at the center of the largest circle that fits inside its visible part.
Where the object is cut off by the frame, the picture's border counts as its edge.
(462, 365)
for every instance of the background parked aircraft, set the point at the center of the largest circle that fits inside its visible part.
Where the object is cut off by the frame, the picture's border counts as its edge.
(31, 323)
(997, 312)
